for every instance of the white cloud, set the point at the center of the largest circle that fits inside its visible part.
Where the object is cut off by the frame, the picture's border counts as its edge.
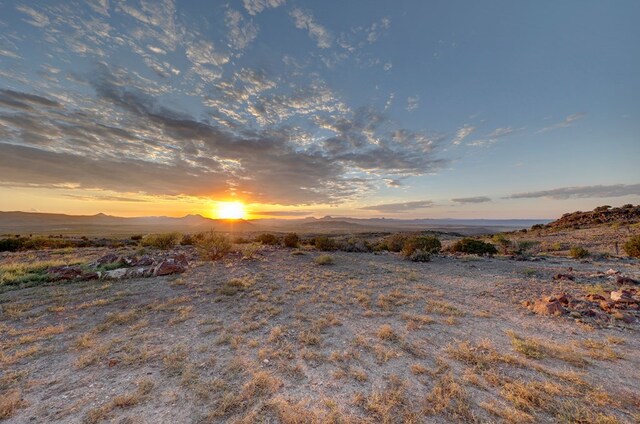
(256, 6)
(304, 20)
(412, 103)
(463, 133)
(566, 122)
(241, 32)
(37, 19)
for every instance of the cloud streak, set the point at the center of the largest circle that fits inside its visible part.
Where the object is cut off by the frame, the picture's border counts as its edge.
(582, 192)
(476, 199)
(399, 207)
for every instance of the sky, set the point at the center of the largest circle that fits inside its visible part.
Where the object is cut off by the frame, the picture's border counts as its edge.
(406, 109)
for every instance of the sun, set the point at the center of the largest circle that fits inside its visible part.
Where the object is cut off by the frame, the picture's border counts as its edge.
(231, 210)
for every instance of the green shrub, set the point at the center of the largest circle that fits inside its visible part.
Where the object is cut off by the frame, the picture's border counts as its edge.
(163, 241)
(393, 243)
(324, 243)
(187, 240)
(291, 240)
(249, 251)
(212, 245)
(505, 244)
(578, 252)
(355, 244)
(11, 244)
(632, 247)
(427, 244)
(136, 237)
(472, 246)
(267, 238)
(323, 260)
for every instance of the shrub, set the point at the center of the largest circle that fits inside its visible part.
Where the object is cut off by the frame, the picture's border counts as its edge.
(324, 243)
(291, 240)
(632, 247)
(504, 243)
(472, 246)
(537, 227)
(11, 244)
(427, 244)
(267, 238)
(394, 242)
(355, 244)
(212, 245)
(419, 255)
(187, 240)
(136, 237)
(162, 241)
(249, 251)
(323, 260)
(578, 252)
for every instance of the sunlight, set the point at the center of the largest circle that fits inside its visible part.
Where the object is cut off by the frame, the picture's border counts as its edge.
(231, 210)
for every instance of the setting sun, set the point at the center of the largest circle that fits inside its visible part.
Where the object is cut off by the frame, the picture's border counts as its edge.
(231, 210)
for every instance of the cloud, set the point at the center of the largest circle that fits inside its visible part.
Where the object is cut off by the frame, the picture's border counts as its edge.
(492, 137)
(256, 6)
(412, 103)
(304, 20)
(463, 133)
(400, 207)
(105, 198)
(476, 199)
(37, 19)
(582, 192)
(566, 122)
(284, 213)
(241, 33)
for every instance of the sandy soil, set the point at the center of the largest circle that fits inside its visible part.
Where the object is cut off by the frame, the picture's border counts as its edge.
(370, 338)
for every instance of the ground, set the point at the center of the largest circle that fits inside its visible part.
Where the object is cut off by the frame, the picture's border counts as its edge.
(280, 338)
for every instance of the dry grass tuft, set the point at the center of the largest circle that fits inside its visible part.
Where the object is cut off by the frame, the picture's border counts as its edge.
(10, 402)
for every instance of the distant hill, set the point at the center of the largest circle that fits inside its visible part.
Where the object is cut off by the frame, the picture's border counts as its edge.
(50, 223)
(602, 215)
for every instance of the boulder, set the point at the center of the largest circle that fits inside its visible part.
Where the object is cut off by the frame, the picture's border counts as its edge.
(560, 277)
(108, 259)
(65, 272)
(115, 274)
(624, 296)
(626, 281)
(145, 260)
(168, 267)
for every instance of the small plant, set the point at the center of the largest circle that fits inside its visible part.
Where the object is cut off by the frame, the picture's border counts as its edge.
(393, 243)
(324, 243)
(163, 241)
(578, 252)
(323, 260)
(267, 238)
(212, 245)
(426, 244)
(249, 251)
(632, 247)
(419, 255)
(505, 244)
(291, 240)
(472, 246)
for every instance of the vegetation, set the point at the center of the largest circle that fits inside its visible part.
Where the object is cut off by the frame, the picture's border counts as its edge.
(267, 238)
(164, 241)
(505, 244)
(212, 245)
(291, 240)
(323, 260)
(472, 246)
(632, 247)
(426, 244)
(324, 243)
(578, 252)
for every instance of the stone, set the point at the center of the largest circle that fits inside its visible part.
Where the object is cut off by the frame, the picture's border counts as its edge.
(139, 272)
(167, 268)
(549, 305)
(622, 296)
(107, 259)
(611, 272)
(622, 281)
(594, 297)
(65, 272)
(115, 274)
(561, 277)
(145, 260)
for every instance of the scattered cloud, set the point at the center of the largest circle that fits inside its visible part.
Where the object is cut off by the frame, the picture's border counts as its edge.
(476, 199)
(241, 32)
(412, 103)
(305, 20)
(492, 137)
(104, 198)
(285, 213)
(37, 19)
(582, 192)
(463, 133)
(566, 122)
(254, 7)
(400, 207)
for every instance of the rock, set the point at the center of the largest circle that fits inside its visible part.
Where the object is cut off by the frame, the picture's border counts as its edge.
(575, 314)
(65, 272)
(115, 274)
(145, 260)
(611, 272)
(594, 297)
(90, 276)
(107, 259)
(168, 267)
(622, 281)
(625, 296)
(548, 305)
(139, 272)
(560, 277)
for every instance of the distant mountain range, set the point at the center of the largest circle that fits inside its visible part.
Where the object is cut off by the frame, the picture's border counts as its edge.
(49, 223)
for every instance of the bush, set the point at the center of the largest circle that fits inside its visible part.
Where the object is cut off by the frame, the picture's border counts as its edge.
(249, 251)
(163, 241)
(355, 244)
(267, 238)
(11, 244)
(212, 245)
(578, 252)
(323, 260)
(472, 246)
(632, 247)
(419, 255)
(393, 243)
(505, 244)
(291, 240)
(187, 240)
(427, 244)
(324, 243)
(136, 237)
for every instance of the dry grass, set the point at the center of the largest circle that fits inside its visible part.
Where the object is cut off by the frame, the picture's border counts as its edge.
(10, 402)
(539, 349)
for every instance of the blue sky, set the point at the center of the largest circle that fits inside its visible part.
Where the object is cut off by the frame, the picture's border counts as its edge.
(490, 109)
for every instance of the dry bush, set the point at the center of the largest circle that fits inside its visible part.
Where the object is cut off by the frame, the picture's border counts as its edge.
(212, 245)
(291, 240)
(163, 241)
(632, 246)
(323, 260)
(9, 403)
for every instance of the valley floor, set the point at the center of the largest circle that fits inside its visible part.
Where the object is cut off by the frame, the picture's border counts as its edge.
(370, 338)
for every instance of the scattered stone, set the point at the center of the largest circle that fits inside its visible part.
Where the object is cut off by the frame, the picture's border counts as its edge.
(622, 281)
(563, 277)
(168, 267)
(108, 259)
(622, 296)
(548, 305)
(145, 260)
(611, 271)
(115, 274)
(65, 272)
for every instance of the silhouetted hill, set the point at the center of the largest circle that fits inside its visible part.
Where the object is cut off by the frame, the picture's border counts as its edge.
(602, 215)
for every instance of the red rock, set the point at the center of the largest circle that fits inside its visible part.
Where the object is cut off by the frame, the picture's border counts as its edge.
(625, 296)
(65, 272)
(594, 297)
(548, 306)
(167, 268)
(621, 280)
(561, 277)
(107, 259)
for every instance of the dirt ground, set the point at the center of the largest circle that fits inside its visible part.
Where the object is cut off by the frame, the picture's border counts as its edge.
(369, 338)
